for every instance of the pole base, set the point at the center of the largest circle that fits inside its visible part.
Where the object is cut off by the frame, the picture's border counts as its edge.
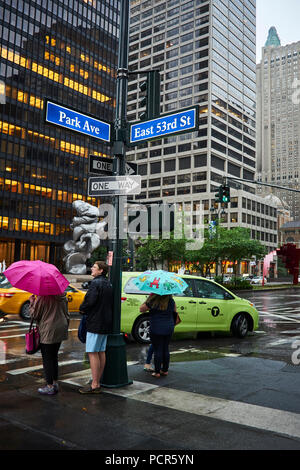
(115, 371)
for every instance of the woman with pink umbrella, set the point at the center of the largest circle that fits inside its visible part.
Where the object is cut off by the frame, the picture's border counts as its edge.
(49, 310)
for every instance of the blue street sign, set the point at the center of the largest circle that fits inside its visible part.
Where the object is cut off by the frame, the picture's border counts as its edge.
(75, 121)
(181, 121)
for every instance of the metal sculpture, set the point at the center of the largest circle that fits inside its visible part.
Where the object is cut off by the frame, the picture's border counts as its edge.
(86, 227)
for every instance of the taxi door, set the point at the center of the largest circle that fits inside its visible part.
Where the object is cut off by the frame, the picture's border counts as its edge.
(213, 308)
(186, 305)
(73, 299)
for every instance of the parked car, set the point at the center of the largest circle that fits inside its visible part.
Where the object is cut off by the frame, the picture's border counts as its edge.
(203, 306)
(16, 301)
(227, 279)
(257, 280)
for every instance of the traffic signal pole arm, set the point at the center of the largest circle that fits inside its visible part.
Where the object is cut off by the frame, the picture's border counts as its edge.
(260, 183)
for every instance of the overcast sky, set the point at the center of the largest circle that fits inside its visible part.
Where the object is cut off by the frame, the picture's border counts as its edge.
(284, 15)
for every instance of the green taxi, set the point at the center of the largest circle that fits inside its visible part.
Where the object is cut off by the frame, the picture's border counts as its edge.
(203, 306)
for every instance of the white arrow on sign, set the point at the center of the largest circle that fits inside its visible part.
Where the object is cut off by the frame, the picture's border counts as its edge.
(129, 170)
(114, 185)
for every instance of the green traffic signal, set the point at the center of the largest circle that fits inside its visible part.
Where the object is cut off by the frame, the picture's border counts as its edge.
(225, 194)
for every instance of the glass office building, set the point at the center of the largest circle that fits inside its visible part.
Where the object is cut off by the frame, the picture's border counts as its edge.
(206, 53)
(65, 51)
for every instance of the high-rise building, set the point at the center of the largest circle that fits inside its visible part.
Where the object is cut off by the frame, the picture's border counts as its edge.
(278, 126)
(65, 51)
(205, 50)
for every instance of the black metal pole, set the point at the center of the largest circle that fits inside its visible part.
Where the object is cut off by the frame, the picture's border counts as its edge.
(115, 372)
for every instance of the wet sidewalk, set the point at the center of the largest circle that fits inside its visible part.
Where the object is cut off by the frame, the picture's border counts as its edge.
(226, 403)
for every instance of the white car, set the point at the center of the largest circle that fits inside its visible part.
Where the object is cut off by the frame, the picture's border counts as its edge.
(257, 280)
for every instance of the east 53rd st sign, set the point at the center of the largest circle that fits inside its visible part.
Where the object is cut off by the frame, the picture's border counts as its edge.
(186, 120)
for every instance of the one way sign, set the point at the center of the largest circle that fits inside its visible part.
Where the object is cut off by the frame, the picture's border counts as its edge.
(114, 185)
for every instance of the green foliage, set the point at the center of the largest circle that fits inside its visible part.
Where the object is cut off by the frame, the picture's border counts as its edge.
(154, 251)
(228, 245)
(237, 283)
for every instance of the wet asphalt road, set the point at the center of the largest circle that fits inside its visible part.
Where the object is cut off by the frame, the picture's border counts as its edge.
(275, 344)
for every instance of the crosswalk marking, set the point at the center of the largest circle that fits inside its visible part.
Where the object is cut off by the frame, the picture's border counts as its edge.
(293, 320)
(40, 366)
(259, 417)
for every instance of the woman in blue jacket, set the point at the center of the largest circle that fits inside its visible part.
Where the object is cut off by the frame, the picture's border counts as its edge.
(161, 309)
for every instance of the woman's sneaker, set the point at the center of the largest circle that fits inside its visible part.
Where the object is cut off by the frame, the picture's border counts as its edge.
(47, 390)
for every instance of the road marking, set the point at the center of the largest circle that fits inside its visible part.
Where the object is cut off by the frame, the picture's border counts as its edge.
(279, 316)
(24, 370)
(259, 417)
(11, 336)
(200, 351)
(21, 335)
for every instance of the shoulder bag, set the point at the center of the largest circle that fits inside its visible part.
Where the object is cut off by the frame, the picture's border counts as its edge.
(32, 339)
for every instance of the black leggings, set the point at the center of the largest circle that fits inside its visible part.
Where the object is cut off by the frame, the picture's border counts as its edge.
(161, 351)
(50, 361)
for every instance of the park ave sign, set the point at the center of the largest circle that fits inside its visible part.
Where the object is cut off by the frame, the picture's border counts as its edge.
(75, 121)
(114, 185)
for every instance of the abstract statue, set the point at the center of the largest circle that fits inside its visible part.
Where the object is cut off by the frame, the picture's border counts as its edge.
(86, 227)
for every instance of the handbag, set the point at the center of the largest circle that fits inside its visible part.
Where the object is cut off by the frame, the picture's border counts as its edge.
(82, 329)
(32, 339)
(177, 318)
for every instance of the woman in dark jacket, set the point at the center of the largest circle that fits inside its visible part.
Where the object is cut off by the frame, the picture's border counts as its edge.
(98, 307)
(161, 309)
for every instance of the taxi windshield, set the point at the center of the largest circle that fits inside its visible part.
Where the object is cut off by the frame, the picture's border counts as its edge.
(4, 283)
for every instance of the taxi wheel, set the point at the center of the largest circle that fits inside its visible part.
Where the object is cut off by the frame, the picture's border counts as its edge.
(240, 325)
(24, 313)
(140, 330)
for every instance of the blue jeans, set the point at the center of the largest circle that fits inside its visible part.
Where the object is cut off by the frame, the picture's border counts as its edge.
(161, 352)
(149, 354)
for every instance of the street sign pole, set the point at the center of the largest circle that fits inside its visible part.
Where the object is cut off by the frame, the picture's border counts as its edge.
(115, 373)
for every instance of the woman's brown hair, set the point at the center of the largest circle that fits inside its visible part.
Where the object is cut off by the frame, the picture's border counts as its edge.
(158, 301)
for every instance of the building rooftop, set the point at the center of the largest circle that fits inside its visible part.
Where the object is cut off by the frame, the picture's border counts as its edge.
(292, 224)
(273, 38)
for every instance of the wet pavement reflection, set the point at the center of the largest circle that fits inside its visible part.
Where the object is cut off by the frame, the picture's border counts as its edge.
(279, 327)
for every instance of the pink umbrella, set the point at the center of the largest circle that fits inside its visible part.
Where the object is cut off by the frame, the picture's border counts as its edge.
(36, 277)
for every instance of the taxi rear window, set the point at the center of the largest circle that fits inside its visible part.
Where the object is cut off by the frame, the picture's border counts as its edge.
(130, 288)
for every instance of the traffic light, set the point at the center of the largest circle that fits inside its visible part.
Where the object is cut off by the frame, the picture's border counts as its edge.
(151, 99)
(144, 100)
(225, 194)
(219, 194)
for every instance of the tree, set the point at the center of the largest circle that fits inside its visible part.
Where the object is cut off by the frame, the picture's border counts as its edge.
(155, 251)
(232, 245)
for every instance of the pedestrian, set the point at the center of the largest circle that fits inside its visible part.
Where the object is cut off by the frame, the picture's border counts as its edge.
(161, 309)
(98, 307)
(52, 318)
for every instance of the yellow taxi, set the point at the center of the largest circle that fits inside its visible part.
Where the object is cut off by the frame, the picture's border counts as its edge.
(16, 301)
